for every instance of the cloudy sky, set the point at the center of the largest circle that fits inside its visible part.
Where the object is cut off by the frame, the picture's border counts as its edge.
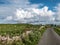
(30, 11)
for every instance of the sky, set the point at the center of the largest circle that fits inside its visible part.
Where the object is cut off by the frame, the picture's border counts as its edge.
(30, 11)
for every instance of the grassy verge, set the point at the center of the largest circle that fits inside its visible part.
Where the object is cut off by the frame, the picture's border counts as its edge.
(20, 34)
(57, 30)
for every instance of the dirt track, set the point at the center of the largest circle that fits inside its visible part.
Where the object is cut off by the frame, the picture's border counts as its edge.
(50, 37)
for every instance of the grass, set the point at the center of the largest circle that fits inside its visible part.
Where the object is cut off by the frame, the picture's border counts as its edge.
(21, 30)
(57, 30)
(17, 29)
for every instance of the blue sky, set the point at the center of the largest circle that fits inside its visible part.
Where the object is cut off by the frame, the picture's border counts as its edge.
(49, 3)
(30, 11)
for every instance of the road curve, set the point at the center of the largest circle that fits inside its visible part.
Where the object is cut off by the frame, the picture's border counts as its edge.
(50, 37)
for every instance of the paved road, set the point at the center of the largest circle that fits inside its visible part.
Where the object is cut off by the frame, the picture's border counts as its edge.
(50, 37)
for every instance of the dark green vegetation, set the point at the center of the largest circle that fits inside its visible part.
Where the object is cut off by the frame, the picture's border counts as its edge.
(57, 29)
(27, 34)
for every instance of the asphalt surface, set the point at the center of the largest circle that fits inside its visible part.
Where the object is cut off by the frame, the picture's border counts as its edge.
(50, 37)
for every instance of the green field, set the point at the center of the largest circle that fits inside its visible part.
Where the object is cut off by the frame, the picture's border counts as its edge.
(23, 34)
(20, 34)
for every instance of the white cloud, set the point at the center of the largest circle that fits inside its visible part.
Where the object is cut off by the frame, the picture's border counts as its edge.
(8, 18)
(57, 8)
(7, 10)
(44, 11)
(24, 4)
(24, 12)
(32, 15)
(10, 8)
